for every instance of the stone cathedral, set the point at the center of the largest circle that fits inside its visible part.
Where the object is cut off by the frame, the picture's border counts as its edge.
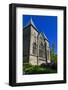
(36, 50)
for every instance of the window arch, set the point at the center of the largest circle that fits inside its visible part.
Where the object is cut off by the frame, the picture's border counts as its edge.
(41, 46)
(34, 48)
(41, 50)
(48, 52)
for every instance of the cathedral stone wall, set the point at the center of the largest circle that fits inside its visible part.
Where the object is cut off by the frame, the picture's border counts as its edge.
(35, 46)
(33, 39)
(33, 60)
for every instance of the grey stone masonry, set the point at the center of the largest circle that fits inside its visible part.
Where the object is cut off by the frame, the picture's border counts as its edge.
(36, 50)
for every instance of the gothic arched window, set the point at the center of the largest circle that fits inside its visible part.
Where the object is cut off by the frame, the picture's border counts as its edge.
(35, 37)
(41, 50)
(46, 50)
(34, 48)
(48, 54)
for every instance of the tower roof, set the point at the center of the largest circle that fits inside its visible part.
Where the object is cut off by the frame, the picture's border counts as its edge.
(30, 23)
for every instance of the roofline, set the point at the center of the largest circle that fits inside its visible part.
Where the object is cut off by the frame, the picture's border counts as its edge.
(32, 26)
(44, 38)
(35, 30)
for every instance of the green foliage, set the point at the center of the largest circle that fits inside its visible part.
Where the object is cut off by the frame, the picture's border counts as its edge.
(31, 69)
(53, 55)
(54, 58)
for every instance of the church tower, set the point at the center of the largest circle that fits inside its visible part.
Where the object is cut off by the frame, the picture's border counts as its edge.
(30, 43)
(35, 45)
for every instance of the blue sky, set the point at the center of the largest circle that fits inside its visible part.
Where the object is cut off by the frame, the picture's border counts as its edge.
(46, 24)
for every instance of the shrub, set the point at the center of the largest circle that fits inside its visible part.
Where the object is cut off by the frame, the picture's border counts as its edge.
(43, 65)
(44, 68)
(54, 66)
(34, 70)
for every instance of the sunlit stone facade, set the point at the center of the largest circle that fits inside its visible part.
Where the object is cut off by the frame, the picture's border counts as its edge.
(36, 50)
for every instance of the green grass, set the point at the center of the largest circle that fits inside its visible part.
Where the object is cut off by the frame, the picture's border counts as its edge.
(31, 69)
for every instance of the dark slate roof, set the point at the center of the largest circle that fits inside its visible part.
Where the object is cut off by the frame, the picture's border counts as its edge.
(44, 35)
(30, 23)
